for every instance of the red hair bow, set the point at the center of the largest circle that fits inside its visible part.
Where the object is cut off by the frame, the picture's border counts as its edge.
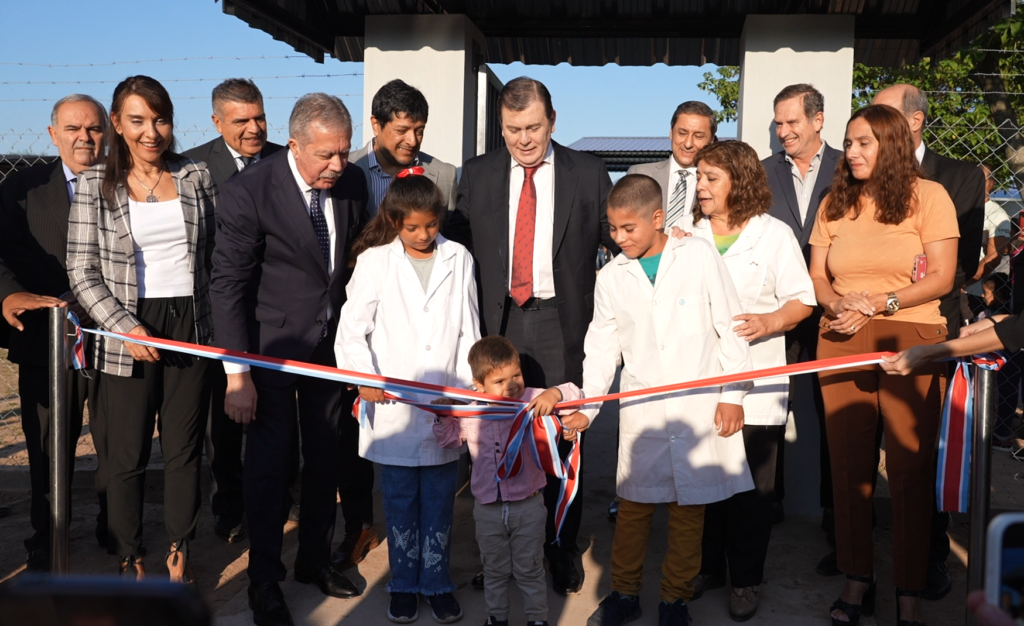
(415, 170)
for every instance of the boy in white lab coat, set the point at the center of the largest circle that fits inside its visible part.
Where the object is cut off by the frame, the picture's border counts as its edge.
(666, 305)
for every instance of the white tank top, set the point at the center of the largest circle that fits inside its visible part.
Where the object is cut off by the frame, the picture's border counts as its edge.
(161, 249)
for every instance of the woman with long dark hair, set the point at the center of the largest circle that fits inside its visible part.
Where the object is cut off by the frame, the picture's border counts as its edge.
(139, 246)
(883, 251)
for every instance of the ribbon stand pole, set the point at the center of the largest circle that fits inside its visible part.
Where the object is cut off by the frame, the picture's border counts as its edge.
(58, 442)
(981, 470)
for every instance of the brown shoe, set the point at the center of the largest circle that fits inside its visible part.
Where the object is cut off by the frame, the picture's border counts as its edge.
(743, 603)
(354, 548)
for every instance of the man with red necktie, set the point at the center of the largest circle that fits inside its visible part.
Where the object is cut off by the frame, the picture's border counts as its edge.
(533, 213)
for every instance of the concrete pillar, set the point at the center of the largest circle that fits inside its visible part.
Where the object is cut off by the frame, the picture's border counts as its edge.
(780, 50)
(439, 55)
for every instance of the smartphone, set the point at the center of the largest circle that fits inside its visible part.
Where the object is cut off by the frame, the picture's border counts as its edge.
(1004, 566)
(920, 267)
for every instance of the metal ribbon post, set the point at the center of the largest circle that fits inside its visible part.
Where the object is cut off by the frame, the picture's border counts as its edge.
(981, 470)
(58, 338)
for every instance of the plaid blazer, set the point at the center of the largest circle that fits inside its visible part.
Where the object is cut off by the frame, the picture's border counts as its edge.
(101, 257)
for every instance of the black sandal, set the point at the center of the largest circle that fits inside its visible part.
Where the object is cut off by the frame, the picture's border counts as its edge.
(854, 611)
(131, 567)
(178, 565)
(905, 594)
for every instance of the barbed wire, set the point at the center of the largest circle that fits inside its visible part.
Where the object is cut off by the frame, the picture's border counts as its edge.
(170, 80)
(54, 65)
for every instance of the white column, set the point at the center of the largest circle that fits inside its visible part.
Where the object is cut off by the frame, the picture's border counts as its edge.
(435, 54)
(780, 50)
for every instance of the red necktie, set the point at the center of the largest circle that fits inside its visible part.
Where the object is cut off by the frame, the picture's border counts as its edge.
(522, 245)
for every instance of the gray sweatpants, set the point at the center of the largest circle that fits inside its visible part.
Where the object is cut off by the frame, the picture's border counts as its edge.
(511, 540)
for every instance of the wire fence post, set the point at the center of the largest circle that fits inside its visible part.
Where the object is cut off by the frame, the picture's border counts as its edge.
(58, 442)
(981, 470)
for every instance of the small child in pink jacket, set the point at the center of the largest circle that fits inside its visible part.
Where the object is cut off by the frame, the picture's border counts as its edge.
(510, 515)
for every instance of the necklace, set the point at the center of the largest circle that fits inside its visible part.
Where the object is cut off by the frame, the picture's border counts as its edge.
(152, 196)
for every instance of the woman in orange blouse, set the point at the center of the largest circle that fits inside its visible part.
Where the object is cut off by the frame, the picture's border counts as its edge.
(878, 228)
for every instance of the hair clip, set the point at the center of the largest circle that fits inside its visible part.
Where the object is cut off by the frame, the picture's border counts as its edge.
(415, 170)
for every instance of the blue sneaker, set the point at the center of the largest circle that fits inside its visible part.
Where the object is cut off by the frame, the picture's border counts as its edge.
(675, 614)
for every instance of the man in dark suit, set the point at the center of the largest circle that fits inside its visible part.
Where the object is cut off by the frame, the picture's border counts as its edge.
(239, 118)
(534, 215)
(965, 184)
(800, 176)
(34, 209)
(284, 230)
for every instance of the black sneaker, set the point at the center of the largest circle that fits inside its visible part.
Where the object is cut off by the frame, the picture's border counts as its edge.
(445, 608)
(403, 608)
(616, 609)
(537, 623)
(492, 621)
(478, 582)
(675, 614)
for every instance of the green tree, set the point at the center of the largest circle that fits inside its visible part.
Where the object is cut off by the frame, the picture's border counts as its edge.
(974, 96)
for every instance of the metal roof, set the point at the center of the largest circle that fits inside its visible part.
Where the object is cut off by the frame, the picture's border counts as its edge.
(628, 32)
(622, 144)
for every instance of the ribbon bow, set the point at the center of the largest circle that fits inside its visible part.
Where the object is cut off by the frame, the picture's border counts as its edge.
(952, 484)
(415, 170)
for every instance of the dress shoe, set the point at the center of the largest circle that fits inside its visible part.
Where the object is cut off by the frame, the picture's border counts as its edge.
(706, 582)
(743, 603)
(615, 610)
(675, 614)
(330, 581)
(267, 604)
(939, 582)
(828, 565)
(229, 529)
(565, 578)
(354, 548)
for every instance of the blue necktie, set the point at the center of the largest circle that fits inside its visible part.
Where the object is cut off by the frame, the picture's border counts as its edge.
(320, 226)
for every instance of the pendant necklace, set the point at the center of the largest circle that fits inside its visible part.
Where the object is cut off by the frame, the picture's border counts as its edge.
(152, 196)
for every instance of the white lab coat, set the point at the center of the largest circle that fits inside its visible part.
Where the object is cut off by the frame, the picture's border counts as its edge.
(768, 270)
(389, 326)
(678, 330)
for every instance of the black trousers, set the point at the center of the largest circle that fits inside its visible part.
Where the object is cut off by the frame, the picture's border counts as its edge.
(224, 453)
(316, 404)
(34, 391)
(738, 529)
(355, 474)
(804, 338)
(177, 389)
(538, 337)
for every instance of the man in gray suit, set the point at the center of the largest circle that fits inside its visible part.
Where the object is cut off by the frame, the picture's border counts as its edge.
(693, 127)
(398, 115)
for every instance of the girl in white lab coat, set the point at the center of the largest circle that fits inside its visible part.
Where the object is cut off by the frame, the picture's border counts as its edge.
(411, 313)
(776, 293)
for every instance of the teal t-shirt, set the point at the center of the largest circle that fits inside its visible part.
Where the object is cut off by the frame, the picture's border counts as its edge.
(650, 266)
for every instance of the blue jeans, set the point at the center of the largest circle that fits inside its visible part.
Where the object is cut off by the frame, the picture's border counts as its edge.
(419, 504)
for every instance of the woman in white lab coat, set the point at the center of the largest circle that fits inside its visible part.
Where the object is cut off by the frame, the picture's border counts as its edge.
(775, 292)
(411, 313)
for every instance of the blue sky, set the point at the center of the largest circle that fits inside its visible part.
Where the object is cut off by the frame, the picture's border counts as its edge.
(591, 101)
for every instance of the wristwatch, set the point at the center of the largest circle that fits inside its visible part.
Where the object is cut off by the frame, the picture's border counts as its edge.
(892, 304)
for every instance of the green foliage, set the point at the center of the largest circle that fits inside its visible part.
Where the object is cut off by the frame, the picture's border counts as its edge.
(726, 87)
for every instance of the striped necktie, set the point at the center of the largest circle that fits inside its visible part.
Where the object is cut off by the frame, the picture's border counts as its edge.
(677, 204)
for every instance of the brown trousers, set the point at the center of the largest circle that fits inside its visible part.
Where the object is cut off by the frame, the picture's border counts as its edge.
(910, 407)
(682, 560)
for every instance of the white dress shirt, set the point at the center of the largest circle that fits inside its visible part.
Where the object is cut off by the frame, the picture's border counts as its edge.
(919, 153)
(543, 250)
(327, 205)
(239, 159)
(691, 191)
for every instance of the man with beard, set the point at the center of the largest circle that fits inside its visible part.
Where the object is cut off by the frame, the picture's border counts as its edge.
(398, 116)
(34, 207)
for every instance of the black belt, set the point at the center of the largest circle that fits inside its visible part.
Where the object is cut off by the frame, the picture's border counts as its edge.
(536, 304)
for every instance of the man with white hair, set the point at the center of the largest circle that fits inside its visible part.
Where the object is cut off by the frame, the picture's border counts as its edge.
(284, 230)
(34, 207)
